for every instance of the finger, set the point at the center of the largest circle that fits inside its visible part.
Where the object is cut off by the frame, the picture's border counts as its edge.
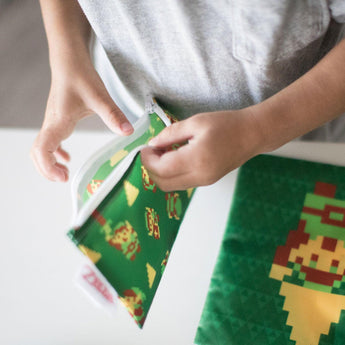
(112, 116)
(167, 164)
(44, 149)
(62, 154)
(176, 133)
(180, 182)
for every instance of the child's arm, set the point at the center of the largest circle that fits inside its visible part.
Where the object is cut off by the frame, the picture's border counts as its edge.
(76, 88)
(221, 141)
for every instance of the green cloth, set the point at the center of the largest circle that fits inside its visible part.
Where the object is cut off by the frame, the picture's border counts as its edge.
(279, 277)
(131, 233)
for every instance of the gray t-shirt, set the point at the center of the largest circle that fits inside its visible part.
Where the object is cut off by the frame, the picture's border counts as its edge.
(198, 55)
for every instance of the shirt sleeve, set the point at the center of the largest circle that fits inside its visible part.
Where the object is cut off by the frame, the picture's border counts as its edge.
(337, 8)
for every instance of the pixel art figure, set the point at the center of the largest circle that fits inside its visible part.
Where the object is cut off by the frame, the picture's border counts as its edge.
(133, 299)
(122, 237)
(151, 219)
(93, 186)
(174, 205)
(148, 184)
(311, 267)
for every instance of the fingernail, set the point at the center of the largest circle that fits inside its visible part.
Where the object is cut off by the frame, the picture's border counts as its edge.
(126, 127)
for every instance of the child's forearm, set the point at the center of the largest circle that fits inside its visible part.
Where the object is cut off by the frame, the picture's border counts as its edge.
(314, 99)
(68, 32)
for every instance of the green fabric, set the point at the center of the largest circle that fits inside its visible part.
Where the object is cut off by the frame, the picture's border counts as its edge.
(156, 126)
(130, 235)
(279, 277)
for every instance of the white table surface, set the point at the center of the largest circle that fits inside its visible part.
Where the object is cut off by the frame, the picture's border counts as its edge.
(39, 302)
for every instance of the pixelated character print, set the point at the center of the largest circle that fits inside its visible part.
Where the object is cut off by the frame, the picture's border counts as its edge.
(125, 239)
(133, 299)
(165, 261)
(151, 219)
(148, 184)
(122, 237)
(93, 186)
(174, 205)
(311, 267)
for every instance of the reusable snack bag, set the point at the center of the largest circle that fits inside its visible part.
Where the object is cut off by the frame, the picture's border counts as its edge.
(280, 273)
(123, 222)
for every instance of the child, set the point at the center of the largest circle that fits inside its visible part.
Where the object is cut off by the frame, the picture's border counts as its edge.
(248, 76)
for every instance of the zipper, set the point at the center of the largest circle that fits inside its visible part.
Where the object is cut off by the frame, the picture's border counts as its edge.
(81, 215)
(85, 172)
(105, 188)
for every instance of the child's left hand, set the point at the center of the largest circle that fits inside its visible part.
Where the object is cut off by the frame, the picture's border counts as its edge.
(218, 142)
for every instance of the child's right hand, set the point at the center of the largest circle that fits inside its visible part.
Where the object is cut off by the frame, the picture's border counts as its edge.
(76, 92)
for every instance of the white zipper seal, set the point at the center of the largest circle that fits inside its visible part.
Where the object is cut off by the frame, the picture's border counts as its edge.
(99, 156)
(81, 216)
(105, 188)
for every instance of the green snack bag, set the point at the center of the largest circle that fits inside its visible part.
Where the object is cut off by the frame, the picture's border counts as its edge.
(123, 222)
(280, 273)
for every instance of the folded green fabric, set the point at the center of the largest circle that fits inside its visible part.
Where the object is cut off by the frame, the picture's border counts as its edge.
(280, 273)
(130, 233)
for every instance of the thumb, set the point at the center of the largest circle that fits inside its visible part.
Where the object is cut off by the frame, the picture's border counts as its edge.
(103, 105)
(177, 133)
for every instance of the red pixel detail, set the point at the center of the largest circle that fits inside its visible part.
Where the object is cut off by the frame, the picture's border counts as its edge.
(325, 189)
(299, 260)
(320, 277)
(97, 216)
(329, 244)
(335, 263)
(294, 240)
(326, 216)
